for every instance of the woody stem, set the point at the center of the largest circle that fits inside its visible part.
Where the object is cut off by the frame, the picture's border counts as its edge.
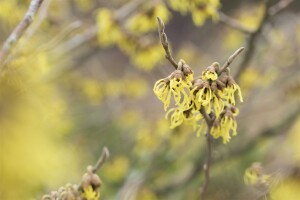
(206, 167)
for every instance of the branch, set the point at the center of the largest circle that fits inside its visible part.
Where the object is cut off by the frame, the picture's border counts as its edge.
(251, 47)
(230, 60)
(233, 23)
(239, 149)
(165, 43)
(19, 30)
(104, 156)
(279, 7)
(206, 166)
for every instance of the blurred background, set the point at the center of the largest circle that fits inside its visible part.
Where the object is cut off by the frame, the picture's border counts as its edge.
(82, 77)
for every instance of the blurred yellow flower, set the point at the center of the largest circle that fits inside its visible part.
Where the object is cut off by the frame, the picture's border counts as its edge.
(116, 169)
(90, 194)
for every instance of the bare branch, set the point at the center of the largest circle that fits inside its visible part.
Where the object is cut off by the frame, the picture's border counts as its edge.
(269, 12)
(230, 59)
(233, 23)
(165, 43)
(104, 156)
(279, 7)
(19, 30)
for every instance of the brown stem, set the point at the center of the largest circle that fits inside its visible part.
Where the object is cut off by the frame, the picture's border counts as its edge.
(165, 43)
(230, 60)
(206, 166)
(233, 23)
(19, 30)
(251, 43)
(104, 156)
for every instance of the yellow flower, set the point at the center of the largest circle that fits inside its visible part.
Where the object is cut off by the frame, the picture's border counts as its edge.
(231, 88)
(226, 125)
(210, 73)
(146, 21)
(109, 32)
(90, 194)
(147, 57)
(180, 91)
(162, 91)
(255, 176)
(203, 94)
(200, 9)
(177, 85)
(177, 117)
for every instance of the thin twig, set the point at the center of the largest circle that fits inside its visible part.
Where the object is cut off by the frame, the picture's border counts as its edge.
(19, 30)
(279, 7)
(233, 23)
(230, 59)
(104, 156)
(90, 33)
(165, 43)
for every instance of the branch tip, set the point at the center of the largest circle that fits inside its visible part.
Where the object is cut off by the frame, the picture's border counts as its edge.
(230, 59)
(104, 156)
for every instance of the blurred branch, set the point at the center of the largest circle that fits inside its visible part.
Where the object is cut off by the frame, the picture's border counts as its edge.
(233, 23)
(90, 33)
(279, 7)
(165, 43)
(270, 11)
(60, 36)
(19, 30)
(235, 151)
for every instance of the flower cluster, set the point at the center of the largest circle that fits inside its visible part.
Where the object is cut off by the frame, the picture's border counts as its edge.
(128, 33)
(89, 189)
(214, 91)
(199, 9)
(255, 176)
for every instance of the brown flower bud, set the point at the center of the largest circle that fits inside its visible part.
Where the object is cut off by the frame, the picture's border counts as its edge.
(96, 181)
(177, 74)
(214, 87)
(86, 180)
(216, 65)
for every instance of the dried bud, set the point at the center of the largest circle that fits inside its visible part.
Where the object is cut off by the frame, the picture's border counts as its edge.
(177, 74)
(96, 181)
(216, 65)
(185, 68)
(214, 87)
(209, 73)
(86, 180)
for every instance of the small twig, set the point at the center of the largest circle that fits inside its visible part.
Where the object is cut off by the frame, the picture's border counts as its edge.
(165, 43)
(104, 156)
(19, 30)
(206, 166)
(230, 59)
(279, 7)
(60, 36)
(233, 23)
